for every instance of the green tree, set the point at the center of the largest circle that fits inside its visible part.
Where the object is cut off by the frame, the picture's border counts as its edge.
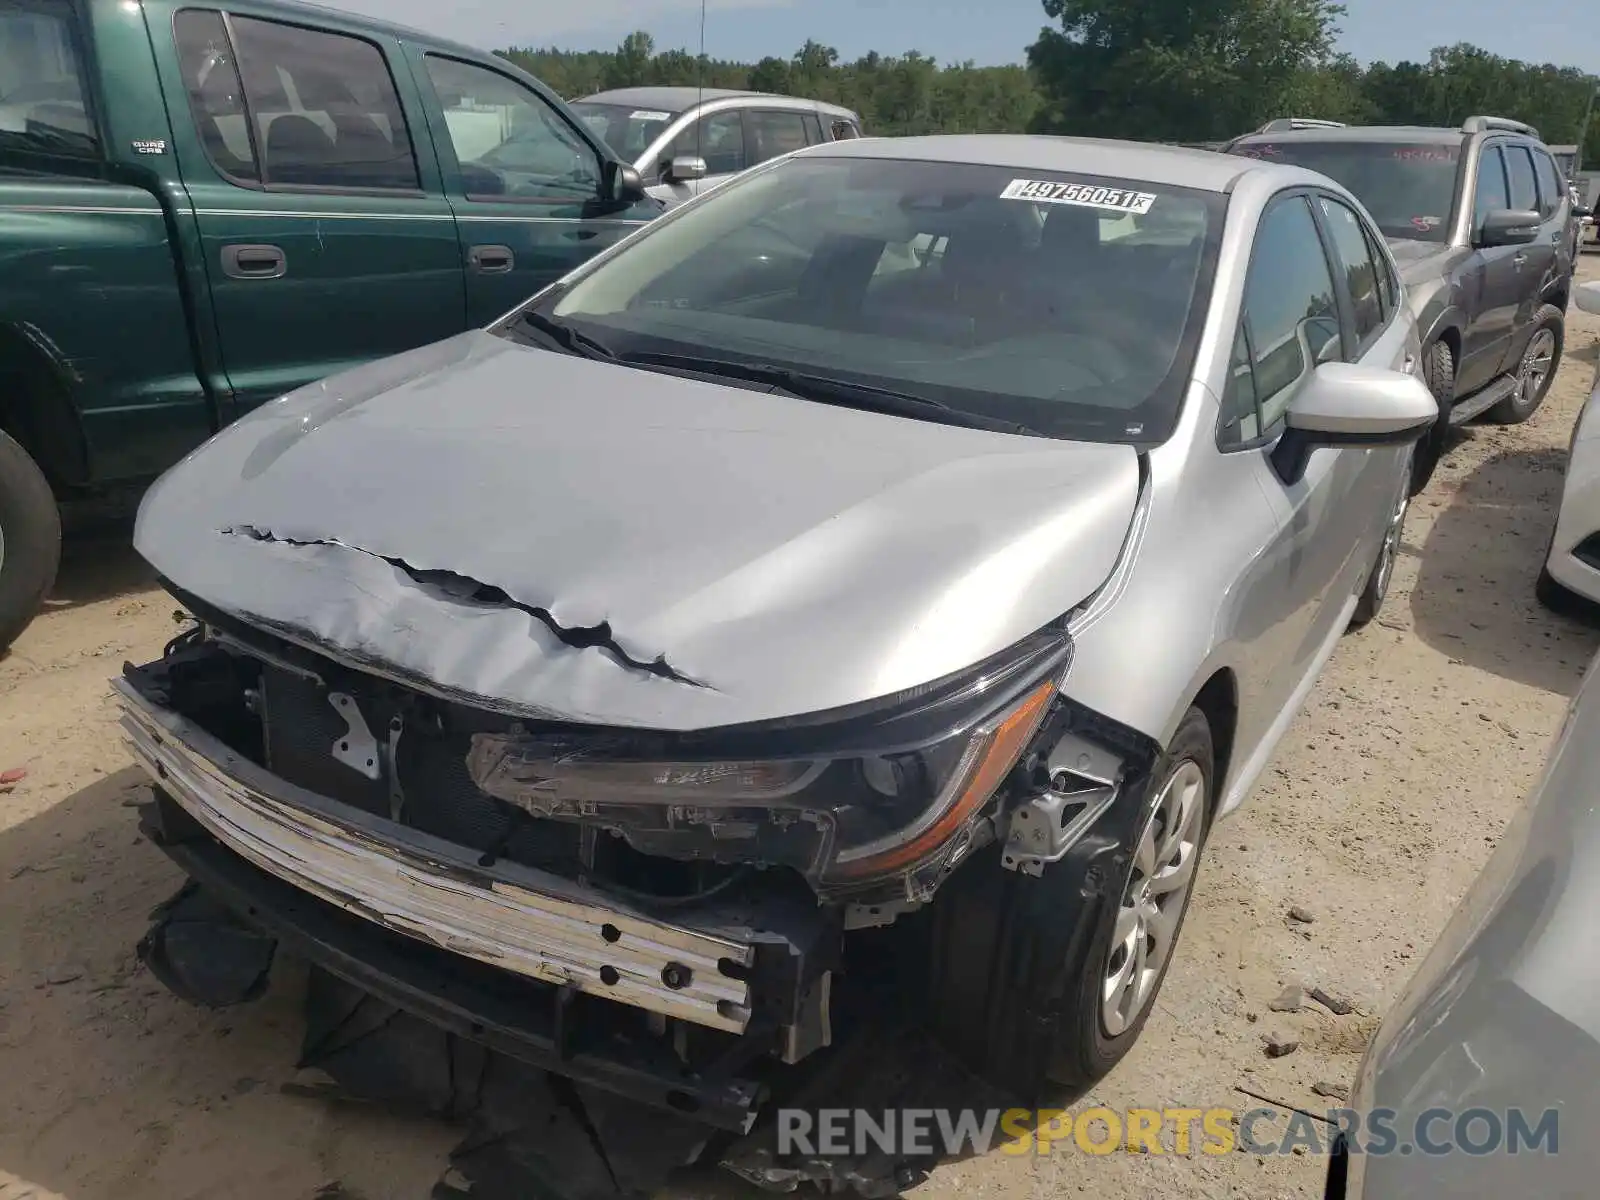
(1175, 70)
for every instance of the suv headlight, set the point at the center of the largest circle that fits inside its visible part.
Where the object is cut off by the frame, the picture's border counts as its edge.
(851, 795)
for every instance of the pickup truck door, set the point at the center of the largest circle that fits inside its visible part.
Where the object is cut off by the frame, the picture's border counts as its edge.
(1491, 285)
(523, 179)
(326, 238)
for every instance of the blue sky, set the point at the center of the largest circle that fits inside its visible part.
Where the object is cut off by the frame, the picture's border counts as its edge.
(987, 31)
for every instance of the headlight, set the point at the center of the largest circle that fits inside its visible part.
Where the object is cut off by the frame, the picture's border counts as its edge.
(853, 795)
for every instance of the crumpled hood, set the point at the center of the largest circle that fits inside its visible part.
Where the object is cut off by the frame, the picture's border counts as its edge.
(543, 534)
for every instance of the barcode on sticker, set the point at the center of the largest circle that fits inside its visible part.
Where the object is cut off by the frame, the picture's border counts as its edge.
(1084, 195)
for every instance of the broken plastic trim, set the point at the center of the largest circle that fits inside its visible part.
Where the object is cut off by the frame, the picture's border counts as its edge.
(462, 589)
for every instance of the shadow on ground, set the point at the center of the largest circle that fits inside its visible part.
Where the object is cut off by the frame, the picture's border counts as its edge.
(117, 1090)
(1494, 530)
(102, 566)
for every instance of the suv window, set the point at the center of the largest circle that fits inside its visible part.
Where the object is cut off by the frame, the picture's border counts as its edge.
(844, 130)
(510, 143)
(216, 98)
(1552, 185)
(718, 138)
(1492, 195)
(43, 103)
(1519, 173)
(323, 109)
(1354, 255)
(1289, 306)
(813, 129)
(773, 133)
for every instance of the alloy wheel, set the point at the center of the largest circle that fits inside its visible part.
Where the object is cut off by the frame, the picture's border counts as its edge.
(1536, 362)
(1153, 902)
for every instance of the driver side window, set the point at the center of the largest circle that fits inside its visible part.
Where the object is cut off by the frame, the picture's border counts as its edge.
(511, 144)
(1291, 319)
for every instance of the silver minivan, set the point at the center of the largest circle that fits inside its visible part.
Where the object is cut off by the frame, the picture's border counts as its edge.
(686, 140)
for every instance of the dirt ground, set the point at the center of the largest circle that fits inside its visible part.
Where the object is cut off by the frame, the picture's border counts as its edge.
(1384, 800)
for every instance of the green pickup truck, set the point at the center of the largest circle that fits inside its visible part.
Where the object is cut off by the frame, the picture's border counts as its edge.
(202, 208)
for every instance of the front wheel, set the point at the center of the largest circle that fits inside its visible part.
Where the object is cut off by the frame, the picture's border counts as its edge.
(30, 539)
(1536, 370)
(1051, 978)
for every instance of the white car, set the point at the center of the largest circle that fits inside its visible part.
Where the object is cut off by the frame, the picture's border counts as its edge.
(1571, 574)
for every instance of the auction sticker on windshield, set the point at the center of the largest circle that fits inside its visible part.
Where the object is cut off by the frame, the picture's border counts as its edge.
(1083, 195)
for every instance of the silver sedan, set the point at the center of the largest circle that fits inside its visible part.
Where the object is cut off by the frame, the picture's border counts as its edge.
(946, 524)
(1570, 580)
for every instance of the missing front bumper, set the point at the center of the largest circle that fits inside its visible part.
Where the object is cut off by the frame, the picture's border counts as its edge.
(515, 918)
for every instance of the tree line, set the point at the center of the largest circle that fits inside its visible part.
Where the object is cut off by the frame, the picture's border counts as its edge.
(1153, 70)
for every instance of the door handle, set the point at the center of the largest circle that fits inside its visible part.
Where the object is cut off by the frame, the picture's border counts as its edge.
(1519, 258)
(241, 261)
(491, 260)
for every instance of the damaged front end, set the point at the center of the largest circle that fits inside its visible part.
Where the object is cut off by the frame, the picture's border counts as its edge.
(655, 914)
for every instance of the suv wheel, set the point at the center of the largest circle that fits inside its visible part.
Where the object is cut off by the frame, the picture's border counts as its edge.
(1439, 371)
(1537, 369)
(30, 539)
(1027, 987)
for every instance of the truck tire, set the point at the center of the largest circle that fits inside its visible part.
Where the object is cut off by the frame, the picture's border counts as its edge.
(1536, 370)
(1439, 372)
(1019, 962)
(30, 539)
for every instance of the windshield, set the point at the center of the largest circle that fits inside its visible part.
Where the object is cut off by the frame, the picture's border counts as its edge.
(1409, 188)
(1069, 304)
(42, 105)
(627, 128)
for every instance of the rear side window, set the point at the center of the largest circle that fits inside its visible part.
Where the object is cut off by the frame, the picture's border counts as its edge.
(1552, 186)
(323, 109)
(843, 131)
(216, 98)
(1354, 256)
(773, 133)
(44, 100)
(1289, 306)
(1520, 176)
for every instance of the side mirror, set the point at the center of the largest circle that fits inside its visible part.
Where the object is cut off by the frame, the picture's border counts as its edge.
(686, 168)
(1588, 298)
(1581, 211)
(1344, 404)
(626, 183)
(1508, 227)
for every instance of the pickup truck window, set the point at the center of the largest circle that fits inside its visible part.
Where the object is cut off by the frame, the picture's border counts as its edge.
(322, 108)
(216, 97)
(511, 145)
(43, 106)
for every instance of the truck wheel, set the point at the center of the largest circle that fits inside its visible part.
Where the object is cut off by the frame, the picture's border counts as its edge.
(1439, 371)
(1537, 369)
(1050, 978)
(30, 539)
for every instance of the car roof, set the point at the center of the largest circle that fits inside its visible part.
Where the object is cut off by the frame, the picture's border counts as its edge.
(1171, 166)
(1428, 134)
(679, 99)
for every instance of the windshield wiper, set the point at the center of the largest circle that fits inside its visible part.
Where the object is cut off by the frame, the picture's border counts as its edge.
(825, 389)
(568, 338)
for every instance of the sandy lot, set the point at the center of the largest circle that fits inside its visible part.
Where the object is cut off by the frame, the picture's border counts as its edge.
(1382, 803)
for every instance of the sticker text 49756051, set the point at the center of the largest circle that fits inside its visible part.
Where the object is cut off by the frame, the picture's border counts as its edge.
(1083, 195)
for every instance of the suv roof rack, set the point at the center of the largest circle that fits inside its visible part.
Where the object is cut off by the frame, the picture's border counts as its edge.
(1503, 124)
(1283, 123)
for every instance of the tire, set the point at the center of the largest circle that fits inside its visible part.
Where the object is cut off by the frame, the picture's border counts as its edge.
(1018, 961)
(1560, 599)
(1382, 573)
(1533, 381)
(30, 540)
(1439, 371)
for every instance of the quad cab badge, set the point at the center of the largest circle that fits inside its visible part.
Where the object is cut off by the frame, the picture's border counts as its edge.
(155, 146)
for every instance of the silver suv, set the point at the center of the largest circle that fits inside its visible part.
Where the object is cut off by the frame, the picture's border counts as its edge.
(686, 140)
